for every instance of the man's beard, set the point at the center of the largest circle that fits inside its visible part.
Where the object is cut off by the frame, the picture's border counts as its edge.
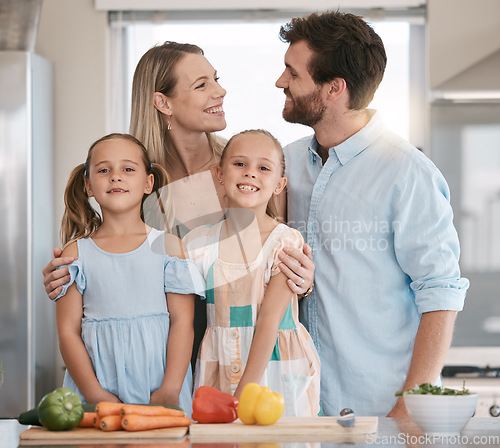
(307, 109)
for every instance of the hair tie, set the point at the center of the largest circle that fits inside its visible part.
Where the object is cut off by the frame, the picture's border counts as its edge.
(150, 165)
(85, 165)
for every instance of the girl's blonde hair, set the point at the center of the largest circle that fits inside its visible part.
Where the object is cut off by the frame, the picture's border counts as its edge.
(272, 208)
(80, 219)
(156, 72)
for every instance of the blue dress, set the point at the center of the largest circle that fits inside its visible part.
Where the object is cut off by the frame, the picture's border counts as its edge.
(125, 321)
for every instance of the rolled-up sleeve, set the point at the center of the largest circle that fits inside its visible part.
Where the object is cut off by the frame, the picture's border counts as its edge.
(426, 242)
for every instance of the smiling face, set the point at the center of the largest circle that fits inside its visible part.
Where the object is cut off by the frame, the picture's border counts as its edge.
(117, 176)
(251, 171)
(304, 103)
(196, 104)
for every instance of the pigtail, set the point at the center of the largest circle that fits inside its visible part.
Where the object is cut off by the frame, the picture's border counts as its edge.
(80, 220)
(161, 176)
(272, 210)
(158, 208)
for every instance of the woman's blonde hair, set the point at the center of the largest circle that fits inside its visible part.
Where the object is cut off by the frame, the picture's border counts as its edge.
(155, 72)
(80, 219)
(272, 208)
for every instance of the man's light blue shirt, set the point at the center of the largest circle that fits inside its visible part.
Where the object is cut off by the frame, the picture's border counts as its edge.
(378, 218)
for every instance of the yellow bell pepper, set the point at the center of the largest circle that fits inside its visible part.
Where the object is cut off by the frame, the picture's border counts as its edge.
(259, 405)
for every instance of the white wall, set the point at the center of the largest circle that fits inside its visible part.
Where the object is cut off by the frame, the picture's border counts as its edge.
(460, 33)
(73, 35)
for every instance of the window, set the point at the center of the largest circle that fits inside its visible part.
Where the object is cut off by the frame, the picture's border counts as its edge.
(248, 56)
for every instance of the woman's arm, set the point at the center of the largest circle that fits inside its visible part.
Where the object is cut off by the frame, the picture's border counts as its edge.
(179, 348)
(54, 278)
(274, 305)
(69, 313)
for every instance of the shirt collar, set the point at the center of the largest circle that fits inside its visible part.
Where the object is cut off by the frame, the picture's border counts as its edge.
(355, 144)
(313, 148)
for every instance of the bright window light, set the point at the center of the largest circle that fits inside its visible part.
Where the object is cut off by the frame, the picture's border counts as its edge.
(248, 57)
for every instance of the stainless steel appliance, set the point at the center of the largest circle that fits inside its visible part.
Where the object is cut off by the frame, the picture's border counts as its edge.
(479, 369)
(465, 145)
(27, 330)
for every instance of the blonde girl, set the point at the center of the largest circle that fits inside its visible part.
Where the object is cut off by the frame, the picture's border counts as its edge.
(253, 333)
(130, 291)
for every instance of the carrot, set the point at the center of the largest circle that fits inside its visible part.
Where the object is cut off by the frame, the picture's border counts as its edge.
(97, 421)
(140, 409)
(88, 420)
(135, 422)
(111, 423)
(104, 408)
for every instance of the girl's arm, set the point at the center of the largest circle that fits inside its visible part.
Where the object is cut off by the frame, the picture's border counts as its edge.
(179, 348)
(180, 335)
(276, 300)
(69, 313)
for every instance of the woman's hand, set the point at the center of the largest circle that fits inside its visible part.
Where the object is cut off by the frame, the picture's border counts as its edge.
(54, 278)
(298, 267)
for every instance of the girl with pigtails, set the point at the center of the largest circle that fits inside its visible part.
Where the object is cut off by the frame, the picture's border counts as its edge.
(131, 288)
(176, 111)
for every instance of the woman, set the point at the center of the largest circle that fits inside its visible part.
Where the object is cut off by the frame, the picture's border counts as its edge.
(177, 105)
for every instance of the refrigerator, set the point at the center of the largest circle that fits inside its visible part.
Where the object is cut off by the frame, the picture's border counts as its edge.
(28, 346)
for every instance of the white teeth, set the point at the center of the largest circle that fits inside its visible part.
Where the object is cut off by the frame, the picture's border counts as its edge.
(247, 188)
(215, 110)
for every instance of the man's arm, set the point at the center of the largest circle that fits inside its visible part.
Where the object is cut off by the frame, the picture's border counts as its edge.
(297, 264)
(432, 342)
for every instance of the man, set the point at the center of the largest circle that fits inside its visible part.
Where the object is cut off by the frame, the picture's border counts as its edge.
(376, 214)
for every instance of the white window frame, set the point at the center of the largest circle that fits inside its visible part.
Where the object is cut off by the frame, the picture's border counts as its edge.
(298, 5)
(119, 102)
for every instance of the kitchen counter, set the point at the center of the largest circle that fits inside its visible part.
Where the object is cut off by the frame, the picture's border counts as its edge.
(484, 432)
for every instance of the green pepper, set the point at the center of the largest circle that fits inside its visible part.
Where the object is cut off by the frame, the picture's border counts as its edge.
(30, 417)
(60, 410)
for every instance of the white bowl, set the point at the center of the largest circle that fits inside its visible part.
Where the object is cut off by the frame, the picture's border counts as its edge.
(441, 415)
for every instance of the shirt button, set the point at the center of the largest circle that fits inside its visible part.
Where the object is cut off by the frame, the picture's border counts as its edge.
(235, 368)
(312, 227)
(235, 334)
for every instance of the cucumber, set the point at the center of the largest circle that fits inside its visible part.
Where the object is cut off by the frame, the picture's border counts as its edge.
(29, 418)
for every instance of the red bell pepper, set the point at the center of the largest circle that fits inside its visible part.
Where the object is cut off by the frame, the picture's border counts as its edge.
(213, 406)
